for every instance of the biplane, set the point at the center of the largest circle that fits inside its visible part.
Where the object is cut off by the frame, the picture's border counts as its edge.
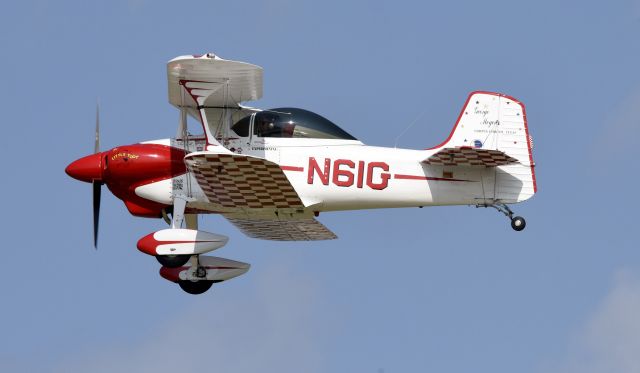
(272, 172)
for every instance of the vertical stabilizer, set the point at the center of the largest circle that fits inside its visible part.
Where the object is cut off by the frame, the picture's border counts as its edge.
(493, 121)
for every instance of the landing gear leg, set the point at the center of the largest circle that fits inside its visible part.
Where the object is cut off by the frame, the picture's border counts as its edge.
(199, 283)
(196, 281)
(197, 270)
(179, 204)
(517, 222)
(165, 216)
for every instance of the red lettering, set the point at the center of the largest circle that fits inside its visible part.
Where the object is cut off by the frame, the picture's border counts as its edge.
(344, 176)
(337, 172)
(360, 173)
(315, 168)
(384, 176)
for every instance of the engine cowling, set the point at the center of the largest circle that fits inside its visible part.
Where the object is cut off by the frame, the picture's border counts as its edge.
(125, 168)
(142, 162)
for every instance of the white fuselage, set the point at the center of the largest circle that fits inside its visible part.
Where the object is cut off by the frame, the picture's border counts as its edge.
(331, 175)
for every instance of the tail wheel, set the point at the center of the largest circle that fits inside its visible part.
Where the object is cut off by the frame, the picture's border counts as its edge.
(195, 287)
(518, 223)
(173, 261)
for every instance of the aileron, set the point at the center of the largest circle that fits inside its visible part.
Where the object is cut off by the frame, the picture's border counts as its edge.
(283, 230)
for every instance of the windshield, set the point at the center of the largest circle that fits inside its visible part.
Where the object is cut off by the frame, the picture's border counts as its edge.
(291, 123)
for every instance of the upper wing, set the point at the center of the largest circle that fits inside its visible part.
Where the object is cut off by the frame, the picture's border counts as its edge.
(242, 181)
(212, 81)
(308, 229)
(467, 156)
(211, 89)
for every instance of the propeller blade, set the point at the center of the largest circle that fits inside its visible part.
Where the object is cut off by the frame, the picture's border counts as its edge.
(97, 143)
(97, 187)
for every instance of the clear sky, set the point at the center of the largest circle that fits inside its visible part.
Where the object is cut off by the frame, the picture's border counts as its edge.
(444, 289)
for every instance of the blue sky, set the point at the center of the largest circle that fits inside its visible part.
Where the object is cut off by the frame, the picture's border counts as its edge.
(449, 289)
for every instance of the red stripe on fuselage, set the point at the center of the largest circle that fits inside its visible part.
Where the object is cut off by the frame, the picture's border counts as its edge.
(292, 168)
(416, 177)
(396, 176)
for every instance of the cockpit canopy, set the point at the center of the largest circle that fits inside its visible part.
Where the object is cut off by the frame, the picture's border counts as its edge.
(290, 123)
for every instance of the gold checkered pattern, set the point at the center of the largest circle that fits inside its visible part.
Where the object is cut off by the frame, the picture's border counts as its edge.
(283, 230)
(465, 156)
(234, 180)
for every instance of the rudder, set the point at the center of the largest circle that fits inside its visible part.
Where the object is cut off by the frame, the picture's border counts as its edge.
(495, 121)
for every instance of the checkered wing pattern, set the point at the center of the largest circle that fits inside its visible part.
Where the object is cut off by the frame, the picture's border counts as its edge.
(240, 181)
(284, 230)
(465, 156)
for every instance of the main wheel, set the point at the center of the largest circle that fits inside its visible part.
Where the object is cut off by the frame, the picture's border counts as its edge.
(518, 223)
(195, 287)
(173, 261)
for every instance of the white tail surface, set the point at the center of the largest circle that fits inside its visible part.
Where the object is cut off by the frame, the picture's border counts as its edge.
(498, 122)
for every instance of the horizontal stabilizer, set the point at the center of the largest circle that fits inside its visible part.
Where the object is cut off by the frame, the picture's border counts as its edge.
(468, 156)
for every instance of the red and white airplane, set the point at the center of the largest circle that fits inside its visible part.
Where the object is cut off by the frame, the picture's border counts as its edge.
(271, 172)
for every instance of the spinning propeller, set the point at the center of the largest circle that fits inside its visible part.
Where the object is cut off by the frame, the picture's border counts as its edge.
(97, 184)
(89, 169)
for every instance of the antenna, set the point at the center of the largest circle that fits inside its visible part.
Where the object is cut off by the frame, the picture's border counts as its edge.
(395, 145)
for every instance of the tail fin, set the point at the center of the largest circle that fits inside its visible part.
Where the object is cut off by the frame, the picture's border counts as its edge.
(493, 121)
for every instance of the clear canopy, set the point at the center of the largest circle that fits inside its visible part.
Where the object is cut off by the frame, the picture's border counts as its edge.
(290, 123)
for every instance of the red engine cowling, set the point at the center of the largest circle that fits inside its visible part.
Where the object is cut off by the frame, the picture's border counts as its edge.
(125, 168)
(142, 163)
